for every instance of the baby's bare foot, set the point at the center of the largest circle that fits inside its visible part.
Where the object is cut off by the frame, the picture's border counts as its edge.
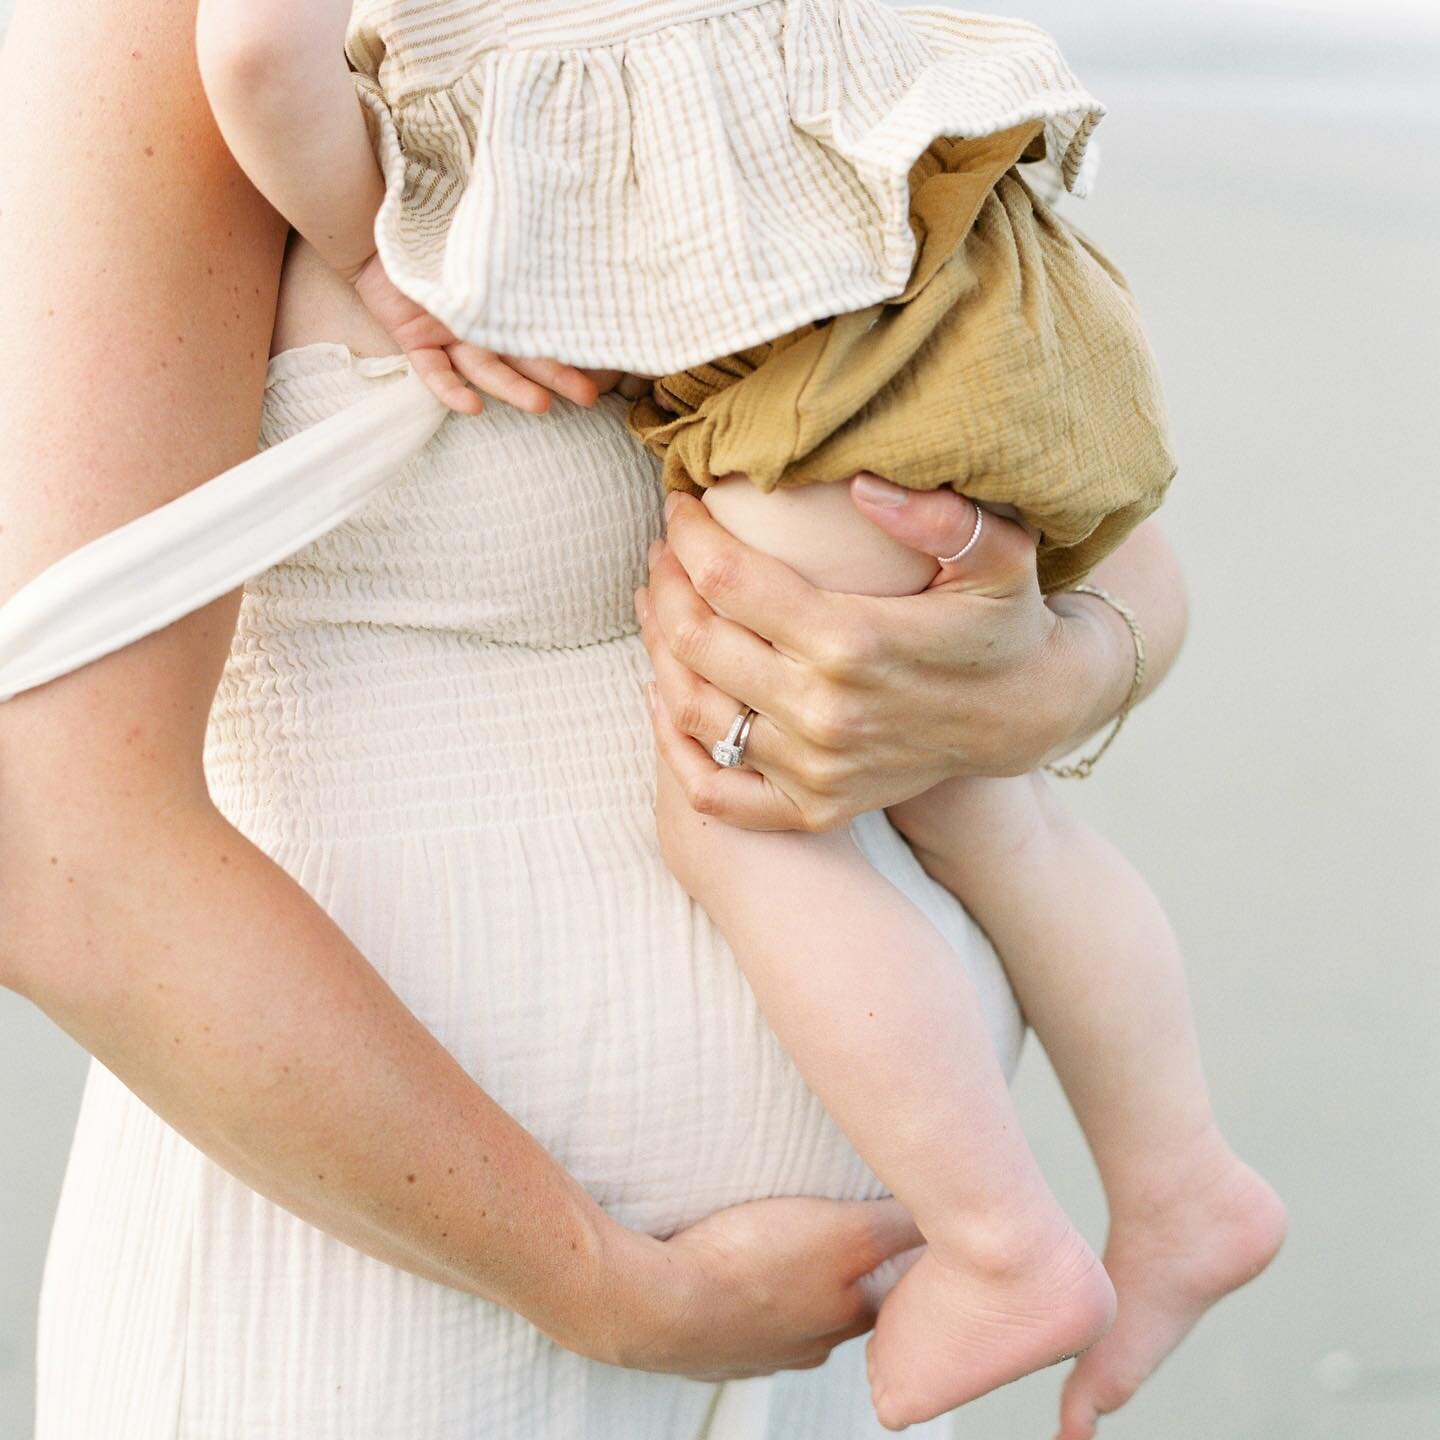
(957, 1326)
(1212, 1229)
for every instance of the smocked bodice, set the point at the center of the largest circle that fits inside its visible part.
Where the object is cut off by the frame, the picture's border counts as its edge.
(521, 529)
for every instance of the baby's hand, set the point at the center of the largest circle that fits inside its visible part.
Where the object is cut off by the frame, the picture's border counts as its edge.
(445, 363)
(622, 382)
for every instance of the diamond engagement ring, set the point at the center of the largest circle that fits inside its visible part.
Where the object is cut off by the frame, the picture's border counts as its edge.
(731, 750)
(969, 545)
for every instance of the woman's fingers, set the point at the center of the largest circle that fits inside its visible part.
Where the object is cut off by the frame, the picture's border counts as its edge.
(887, 1275)
(692, 714)
(732, 658)
(708, 667)
(695, 706)
(743, 584)
(702, 710)
(880, 1229)
(942, 523)
(743, 796)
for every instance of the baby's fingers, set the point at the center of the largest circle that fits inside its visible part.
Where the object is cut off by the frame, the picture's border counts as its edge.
(493, 374)
(433, 367)
(575, 385)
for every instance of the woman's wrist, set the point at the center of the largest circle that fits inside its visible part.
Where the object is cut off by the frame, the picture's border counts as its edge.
(623, 1308)
(1096, 667)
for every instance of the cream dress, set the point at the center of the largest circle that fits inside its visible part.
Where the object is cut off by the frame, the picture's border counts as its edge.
(432, 713)
(432, 718)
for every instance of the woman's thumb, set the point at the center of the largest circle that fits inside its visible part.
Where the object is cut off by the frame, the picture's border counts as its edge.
(967, 541)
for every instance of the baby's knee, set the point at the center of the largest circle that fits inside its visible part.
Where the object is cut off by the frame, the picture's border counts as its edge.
(972, 818)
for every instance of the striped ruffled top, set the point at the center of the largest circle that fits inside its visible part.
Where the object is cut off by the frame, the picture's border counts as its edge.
(647, 184)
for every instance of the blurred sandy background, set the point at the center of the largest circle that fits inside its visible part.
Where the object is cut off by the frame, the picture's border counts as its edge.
(1268, 184)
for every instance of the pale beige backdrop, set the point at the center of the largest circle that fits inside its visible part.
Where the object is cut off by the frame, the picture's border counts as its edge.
(1269, 185)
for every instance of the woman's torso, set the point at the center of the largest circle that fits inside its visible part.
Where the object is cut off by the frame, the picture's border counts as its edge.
(432, 718)
(316, 306)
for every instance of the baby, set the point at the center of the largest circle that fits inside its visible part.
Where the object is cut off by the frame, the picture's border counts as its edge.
(953, 330)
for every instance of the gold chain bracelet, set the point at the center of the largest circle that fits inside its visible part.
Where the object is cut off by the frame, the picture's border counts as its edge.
(1081, 769)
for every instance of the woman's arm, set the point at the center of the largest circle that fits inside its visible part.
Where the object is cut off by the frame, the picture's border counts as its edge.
(1145, 573)
(284, 100)
(140, 278)
(864, 700)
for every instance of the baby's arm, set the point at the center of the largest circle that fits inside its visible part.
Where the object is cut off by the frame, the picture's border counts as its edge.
(283, 97)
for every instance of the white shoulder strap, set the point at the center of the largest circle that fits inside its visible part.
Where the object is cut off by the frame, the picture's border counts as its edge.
(146, 574)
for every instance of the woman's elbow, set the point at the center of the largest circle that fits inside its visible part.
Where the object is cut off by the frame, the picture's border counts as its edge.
(83, 852)
(17, 911)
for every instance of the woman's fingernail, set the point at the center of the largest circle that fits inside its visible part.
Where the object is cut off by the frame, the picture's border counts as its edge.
(642, 605)
(878, 491)
(652, 696)
(671, 501)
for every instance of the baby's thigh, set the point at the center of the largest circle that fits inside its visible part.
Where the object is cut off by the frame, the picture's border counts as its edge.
(818, 531)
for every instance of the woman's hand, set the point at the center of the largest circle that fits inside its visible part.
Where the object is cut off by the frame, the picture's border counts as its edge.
(445, 363)
(864, 701)
(763, 1286)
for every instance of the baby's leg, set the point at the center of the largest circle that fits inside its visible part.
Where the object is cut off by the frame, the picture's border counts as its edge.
(818, 532)
(883, 1022)
(1098, 973)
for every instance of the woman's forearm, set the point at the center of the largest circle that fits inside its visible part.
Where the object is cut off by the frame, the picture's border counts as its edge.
(218, 991)
(140, 273)
(282, 95)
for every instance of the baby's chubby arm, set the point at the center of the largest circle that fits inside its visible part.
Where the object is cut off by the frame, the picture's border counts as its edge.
(283, 97)
(276, 78)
